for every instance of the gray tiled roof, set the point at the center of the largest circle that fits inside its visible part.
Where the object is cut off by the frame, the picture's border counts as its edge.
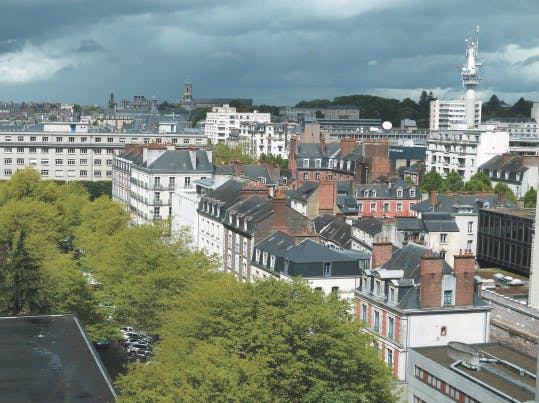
(409, 224)
(347, 204)
(513, 164)
(276, 243)
(440, 226)
(304, 191)
(369, 225)
(310, 251)
(447, 203)
(180, 161)
(337, 231)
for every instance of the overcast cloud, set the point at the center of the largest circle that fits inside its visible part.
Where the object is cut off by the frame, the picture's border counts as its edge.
(275, 51)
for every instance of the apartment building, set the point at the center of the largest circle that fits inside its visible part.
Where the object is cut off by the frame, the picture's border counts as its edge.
(463, 151)
(73, 150)
(451, 115)
(154, 172)
(224, 120)
(265, 138)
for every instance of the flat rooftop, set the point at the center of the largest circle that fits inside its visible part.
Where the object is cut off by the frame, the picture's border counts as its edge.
(49, 359)
(517, 212)
(497, 375)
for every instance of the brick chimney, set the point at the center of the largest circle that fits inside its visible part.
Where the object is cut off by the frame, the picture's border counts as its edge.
(327, 196)
(238, 167)
(430, 295)
(382, 250)
(434, 198)
(278, 203)
(463, 268)
(347, 146)
(254, 189)
(323, 147)
(501, 199)
(292, 154)
(507, 156)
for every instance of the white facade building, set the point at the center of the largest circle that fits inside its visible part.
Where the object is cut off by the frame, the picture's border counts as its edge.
(451, 115)
(265, 138)
(464, 150)
(224, 119)
(154, 174)
(73, 151)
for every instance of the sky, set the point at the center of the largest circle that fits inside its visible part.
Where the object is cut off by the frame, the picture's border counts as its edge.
(277, 52)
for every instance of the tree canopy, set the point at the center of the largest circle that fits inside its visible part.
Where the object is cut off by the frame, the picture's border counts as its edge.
(503, 189)
(226, 154)
(270, 341)
(530, 198)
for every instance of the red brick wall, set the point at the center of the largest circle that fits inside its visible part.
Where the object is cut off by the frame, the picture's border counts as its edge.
(381, 253)
(395, 363)
(384, 325)
(377, 153)
(431, 281)
(463, 268)
(397, 329)
(369, 316)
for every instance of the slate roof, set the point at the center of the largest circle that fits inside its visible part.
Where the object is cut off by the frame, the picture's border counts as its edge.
(409, 224)
(344, 187)
(440, 226)
(387, 191)
(225, 170)
(347, 204)
(276, 243)
(369, 225)
(448, 203)
(304, 191)
(48, 358)
(407, 153)
(254, 207)
(339, 232)
(255, 172)
(314, 150)
(228, 193)
(321, 221)
(310, 251)
(514, 164)
(180, 161)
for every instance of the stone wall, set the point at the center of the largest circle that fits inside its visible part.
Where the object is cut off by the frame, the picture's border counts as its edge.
(513, 323)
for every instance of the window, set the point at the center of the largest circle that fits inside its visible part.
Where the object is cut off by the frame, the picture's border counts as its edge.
(317, 175)
(335, 289)
(360, 206)
(59, 150)
(265, 258)
(187, 181)
(110, 140)
(97, 173)
(97, 151)
(44, 162)
(71, 139)
(399, 206)
(469, 244)
(373, 206)
(377, 287)
(83, 173)
(70, 162)
(364, 312)
(257, 255)
(157, 212)
(443, 238)
(8, 161)
(448, 297)
(386, 207)
(98, 139)
(412, 192)
(84, 161)
(58, 161)
(305, 175)
(389, 357)
(305, 163)
(7, 172)
(286, 263)
(20, 149)
(245, 251)
(32, 150)
(7, 149)
(327, 268)
(171, 182)
(44, 172)
(470, 227)
(20, 138)
(376, 325)
(157, 181)
(97, 162)
(390, 327)
(391, 294)
(71, 151)
(32, 138)
(317, 163)
(399, 192)
(84, 151)
(272, 261)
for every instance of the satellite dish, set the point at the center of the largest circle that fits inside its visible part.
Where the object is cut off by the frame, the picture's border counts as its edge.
(387, 125)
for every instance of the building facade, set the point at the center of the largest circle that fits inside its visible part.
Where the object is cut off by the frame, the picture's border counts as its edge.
(224, 120)
(451, 115)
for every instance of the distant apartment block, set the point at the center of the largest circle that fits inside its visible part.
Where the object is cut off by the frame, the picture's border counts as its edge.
(264, 138)
(451, 115)
(224, 120)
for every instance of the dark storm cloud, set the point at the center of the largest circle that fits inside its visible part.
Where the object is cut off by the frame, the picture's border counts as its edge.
(274, 51)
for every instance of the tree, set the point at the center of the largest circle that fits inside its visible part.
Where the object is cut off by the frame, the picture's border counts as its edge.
(453, 182)
(503, 189)
(431, 182)
(269, 341)
(225, 154)
(198, 115)
(530, 198)
(20, 285)
(479, 182)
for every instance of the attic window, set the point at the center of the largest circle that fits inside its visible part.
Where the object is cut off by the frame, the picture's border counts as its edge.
(230, 219)
(262, 179)
(365, 193)
(317, 163)
(257, 253)
(348, 165)
(327, 269)
(399, 192)
(306, 163)
(412, 192)
(330, 163)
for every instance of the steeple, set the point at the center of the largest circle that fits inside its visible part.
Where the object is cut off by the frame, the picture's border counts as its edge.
(187, 92)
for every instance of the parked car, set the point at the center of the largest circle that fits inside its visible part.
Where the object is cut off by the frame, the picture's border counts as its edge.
(131, 334)
(135, 347)
(129, 340)
(129, 329)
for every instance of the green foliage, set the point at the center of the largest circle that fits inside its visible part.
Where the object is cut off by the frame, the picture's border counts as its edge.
(275, 159)
(530, 198)
(432, 181)
(112, 103)
(77, 108)
(502, 188)
(270, 341)
(314, 103)
(496, 108)
(453, 182)
(479, 182)
(226, 154)
(409, 180)
(97, 188)
(198, 115)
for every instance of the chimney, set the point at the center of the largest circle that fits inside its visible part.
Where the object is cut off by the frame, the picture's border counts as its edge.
(463, 269)
(434, 198)
(271, 169)
(347, 146)
(238, 167)
(430, 294)
(506, 157)
(382, 250)
(501, 199)
(327, 196)
(278, 203)
(254, 189)
(323, 144)
(292, 154)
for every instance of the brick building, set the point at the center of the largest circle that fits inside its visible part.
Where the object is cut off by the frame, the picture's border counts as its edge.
(387, 200)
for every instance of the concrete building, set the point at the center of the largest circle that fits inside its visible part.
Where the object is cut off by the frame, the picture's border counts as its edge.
(224, 120)
(451, 115)
(471, 373)
(464, 151)
(264, 138)
(413, 298)
(155, 172)
(339, 112)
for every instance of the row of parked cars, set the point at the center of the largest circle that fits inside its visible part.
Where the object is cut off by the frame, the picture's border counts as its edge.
(136, 343)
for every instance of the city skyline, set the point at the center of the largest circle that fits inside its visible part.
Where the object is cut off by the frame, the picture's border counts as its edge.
(275, 52)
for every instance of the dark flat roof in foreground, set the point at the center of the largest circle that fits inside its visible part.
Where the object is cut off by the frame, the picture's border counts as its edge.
(49, 359)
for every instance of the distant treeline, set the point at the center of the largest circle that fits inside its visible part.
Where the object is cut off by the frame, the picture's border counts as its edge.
(395, 110)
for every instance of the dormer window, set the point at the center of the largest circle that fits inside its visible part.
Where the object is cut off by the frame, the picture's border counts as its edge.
(399, 192)
(327, 269)
(391, 294)
(245, 225)
(365, 193)
(261, 179)
(517, 177)
(412, 192)
(317, 163)
(257, 255)
(348, 165)
(378, 287)
(237, 221)
(286, 262)
(330, 163)
(306, 163)
(373, 193)
(265, 258)
(272, 262)
(230, 219)
(448, 297)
